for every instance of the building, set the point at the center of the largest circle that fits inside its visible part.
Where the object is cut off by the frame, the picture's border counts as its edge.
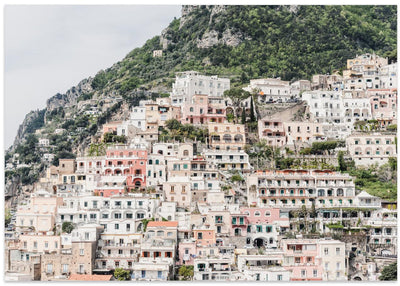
(371, 148)
(226, 136)
(190, 83)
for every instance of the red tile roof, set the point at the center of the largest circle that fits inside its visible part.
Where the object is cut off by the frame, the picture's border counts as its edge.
(87, 277)
(162, 223)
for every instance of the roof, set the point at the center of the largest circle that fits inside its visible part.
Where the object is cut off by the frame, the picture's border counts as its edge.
(87, 277)
(162, 224)
(364, 194)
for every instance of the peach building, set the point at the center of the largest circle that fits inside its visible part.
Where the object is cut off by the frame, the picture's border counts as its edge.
(273, 131)
(40, 214)
(177, 189)
(227, 136)
(40, 243)
(203, 109)
(204, 237)
(302, 131)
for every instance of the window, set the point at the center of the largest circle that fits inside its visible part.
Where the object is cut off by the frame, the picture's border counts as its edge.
(200, 235)
(129, 215)
(337, 250)
(65, 268)
(159, 274)
(279, 277)
(315, 272)
(338, 266)
(326, 251)
(49, 269)
(81, 251)
(81, 268)
(116, 226)
(257, 213)
(303, 273)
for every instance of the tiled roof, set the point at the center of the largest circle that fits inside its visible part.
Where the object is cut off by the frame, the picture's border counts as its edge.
(87, 277)
(162, 223)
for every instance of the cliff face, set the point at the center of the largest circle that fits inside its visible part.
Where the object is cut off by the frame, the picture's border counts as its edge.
(70, 97)
(26, 126)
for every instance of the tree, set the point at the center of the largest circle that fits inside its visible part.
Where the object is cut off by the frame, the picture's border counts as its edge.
(389, 273)
(186, 271)
(243, 116)
(121, 274)
(67, 227)
(341, 162)
(236, 95)
(252, 114)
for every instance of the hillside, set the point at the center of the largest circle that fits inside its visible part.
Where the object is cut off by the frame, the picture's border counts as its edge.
(240, 42)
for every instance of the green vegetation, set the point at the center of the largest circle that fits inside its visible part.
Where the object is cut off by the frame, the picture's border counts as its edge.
(122, 275)
(186, 272)
(67, 226)
(145, 222)
(27, 150)
(337, 225)
(110, 137)
(177, 131)
(7, 217)
(392, 128)
(36, 123)
(381, 182)
(389, 273)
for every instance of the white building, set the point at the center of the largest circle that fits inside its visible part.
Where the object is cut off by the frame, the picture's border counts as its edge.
(369, 149)
(190, 83)
(328, 109)
(271, 89)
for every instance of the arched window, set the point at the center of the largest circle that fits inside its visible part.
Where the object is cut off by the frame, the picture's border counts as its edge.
(257, 213)
(185, 152)
(267, 213)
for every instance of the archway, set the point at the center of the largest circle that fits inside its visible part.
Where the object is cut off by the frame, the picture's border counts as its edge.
(259, 242)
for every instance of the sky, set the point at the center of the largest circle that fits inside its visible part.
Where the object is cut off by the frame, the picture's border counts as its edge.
(50, 48)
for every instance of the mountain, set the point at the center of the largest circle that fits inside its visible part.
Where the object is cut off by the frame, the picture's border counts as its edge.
(239, 42)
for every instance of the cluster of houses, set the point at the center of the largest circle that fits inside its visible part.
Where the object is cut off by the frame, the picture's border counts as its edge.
(151, 207)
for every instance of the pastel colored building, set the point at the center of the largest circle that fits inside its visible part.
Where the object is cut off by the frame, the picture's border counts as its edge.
(177, 189)
(125, 161)
(371, 148)
(383, 104)
(264, 225)
(297, 188)
(203, 109)
(39, 215)
(226, 136)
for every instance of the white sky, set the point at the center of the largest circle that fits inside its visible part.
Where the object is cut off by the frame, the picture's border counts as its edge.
(50, 48)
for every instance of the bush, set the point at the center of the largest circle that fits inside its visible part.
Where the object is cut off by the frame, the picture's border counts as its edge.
(67, 227)
(121, 274)
(389, 273)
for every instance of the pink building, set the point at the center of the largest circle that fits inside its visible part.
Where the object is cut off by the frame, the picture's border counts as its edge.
(204, 237)
(383, 103)
(129, 162)
(187, 252)
(302, 258)
(273, 131)
(263, 225)
(204, 109)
